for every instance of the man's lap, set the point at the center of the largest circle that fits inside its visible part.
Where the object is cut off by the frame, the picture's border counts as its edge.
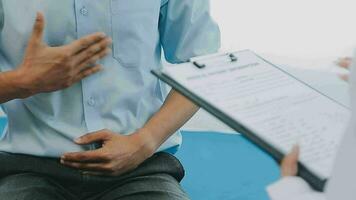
(156, 178)
(28, 186)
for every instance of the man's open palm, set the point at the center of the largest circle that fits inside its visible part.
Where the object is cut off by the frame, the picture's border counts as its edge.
(47, 69)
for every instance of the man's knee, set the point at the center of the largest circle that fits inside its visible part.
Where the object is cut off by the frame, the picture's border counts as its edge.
(163, 187)
(158, 186)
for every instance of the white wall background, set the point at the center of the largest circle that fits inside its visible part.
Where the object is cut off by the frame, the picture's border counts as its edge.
(289, 28)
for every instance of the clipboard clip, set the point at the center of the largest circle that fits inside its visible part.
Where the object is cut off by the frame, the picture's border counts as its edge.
(233, 57)
(200, 66)
(217, 57)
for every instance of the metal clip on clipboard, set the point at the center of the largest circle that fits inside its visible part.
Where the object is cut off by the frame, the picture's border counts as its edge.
(201, 62)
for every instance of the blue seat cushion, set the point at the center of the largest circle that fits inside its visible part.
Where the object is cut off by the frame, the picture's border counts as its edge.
(225, 166)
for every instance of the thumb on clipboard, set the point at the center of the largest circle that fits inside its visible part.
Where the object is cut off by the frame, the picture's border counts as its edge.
(289, 165)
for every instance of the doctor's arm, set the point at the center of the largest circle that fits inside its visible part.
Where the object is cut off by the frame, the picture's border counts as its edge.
(290, 186)
(47, 69)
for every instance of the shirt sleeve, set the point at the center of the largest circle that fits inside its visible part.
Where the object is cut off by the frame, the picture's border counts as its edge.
(187, 29)
(293, 188)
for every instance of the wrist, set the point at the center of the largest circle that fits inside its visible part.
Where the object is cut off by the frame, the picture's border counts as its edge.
(13, 81)
(149, 143)
(21, 83)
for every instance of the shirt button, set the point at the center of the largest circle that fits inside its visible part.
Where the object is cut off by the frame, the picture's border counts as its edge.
(84, 11)
(91, 102)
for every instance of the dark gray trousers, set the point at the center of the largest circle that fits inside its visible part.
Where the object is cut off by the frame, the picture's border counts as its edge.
(25, 177)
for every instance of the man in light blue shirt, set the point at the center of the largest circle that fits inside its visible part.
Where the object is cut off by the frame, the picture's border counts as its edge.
(107, 128)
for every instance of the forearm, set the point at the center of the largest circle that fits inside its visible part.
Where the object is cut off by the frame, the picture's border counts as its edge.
(174, 113)
(10, 84)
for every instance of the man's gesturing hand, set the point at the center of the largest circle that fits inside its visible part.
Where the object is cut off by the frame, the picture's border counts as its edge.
(47, 69)
(119, 154)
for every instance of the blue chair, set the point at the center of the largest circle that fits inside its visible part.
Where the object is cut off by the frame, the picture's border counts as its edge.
(225, 167)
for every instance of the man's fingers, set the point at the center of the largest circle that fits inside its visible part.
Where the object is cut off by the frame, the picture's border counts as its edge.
(88, 71)
(85, 157)
(289, 165)
(87, 55)
(94, 137)
(38, 29)
(93, 50)
(94, 173)
(93, 59)
(94, 167)
(83, 43)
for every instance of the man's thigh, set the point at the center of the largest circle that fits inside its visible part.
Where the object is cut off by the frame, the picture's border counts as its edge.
(151, 187)
(157, 178)
(28, 186)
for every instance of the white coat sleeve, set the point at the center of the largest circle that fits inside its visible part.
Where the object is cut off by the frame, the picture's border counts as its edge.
(293, 188)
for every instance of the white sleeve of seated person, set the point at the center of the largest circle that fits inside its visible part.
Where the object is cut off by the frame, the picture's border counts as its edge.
(293, 188)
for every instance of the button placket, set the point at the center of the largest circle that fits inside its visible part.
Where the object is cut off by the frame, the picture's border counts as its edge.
(90, 99)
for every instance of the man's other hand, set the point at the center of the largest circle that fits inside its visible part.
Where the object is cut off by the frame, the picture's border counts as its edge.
(47, 69)
(119, 154)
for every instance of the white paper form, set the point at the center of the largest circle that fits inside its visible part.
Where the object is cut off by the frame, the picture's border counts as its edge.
(275, 106)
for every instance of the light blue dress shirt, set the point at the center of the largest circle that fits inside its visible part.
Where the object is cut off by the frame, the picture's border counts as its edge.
(124, 95)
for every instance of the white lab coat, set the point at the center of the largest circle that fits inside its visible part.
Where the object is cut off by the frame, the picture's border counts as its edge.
(342, 184)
